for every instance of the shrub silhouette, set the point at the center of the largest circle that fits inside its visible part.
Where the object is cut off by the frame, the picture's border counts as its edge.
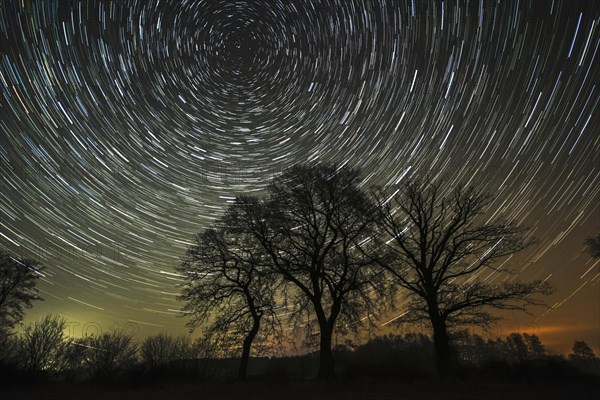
(391, 356)
(164, 351)
(108, 354)
(42, 346)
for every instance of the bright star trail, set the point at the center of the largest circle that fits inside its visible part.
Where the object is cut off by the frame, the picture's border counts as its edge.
(127, 126)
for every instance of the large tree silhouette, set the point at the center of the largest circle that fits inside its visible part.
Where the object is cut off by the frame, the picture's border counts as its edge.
(313, 226)
(227, 284)
(18, 278)
(445, 253)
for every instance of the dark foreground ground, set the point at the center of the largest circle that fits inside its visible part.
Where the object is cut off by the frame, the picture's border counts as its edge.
(308, 390)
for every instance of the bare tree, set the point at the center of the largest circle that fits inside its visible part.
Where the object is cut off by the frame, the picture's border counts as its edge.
(312, 226)
(43, 345)
(227, 284)
(443, 253)
(18, 278)
(108, 353)
(593, 244)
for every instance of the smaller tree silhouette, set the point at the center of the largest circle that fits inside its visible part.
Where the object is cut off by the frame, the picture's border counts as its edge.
(43, 345)
(525, 347)
(440, 245)
(163, 351)
(584, 358)
(18, 278)
(109, 353)
(593, 244)
(228, 288)
(582, 351)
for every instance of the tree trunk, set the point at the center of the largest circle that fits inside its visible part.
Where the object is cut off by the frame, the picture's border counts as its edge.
(441, 341)
(247, 345)
(326, 360)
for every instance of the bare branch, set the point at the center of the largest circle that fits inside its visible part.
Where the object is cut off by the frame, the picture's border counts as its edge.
(437, 245)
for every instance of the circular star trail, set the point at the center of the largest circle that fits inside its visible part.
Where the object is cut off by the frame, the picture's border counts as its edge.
(128, 126)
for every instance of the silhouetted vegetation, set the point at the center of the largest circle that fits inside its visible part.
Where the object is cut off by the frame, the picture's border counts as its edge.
(18, 277)
(43, 346)
(439, 243)
(228, 287)
(593, 244)
(162, 352)
(316, 251)
(312, 232)
(47, 355)
(108, 354)
(583, 357)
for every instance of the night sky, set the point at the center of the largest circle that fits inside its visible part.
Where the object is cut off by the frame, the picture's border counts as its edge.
(127, 127)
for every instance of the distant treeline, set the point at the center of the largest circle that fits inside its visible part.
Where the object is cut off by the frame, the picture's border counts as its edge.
(42, 352)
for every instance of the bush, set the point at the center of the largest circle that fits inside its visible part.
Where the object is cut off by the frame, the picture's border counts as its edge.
(390, 356)
(109, 354)
(42, 346)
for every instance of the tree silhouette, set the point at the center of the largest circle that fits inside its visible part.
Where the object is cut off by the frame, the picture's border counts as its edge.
(584, 358)
(161, 351)
(593, 244)
(525, 347)
(227, 282)
(108, 353)
(312, 225)
(18, 278)
(582, 351)
(43, 345)
(441, 246)
(9, 350)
